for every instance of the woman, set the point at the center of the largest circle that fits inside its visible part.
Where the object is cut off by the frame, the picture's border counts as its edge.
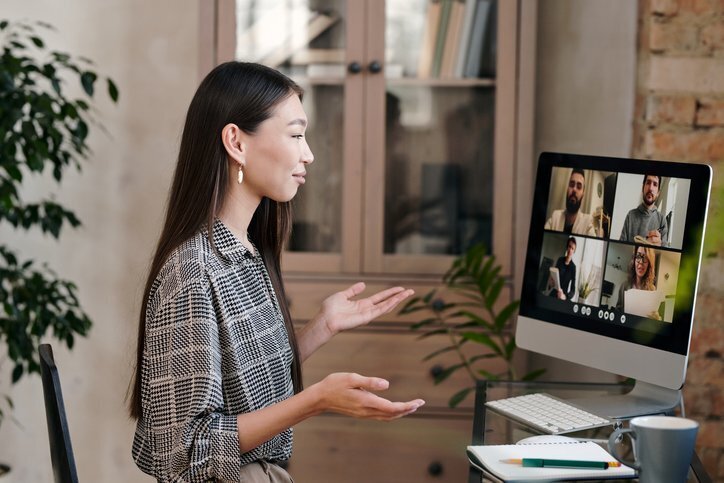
(218, 379)
(641, 275)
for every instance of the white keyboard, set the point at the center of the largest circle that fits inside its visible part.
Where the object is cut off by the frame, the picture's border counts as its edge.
(547, 413)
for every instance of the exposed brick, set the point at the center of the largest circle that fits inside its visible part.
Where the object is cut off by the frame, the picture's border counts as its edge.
(701, 7)
(699, 400)
(698, 146)
(712, 36)
(707, 339)
(673, 36)
(666, 8)
(710, 432)
(671, 109)
(710, 459)
(686, 74)
(710, 112)
(702, 371)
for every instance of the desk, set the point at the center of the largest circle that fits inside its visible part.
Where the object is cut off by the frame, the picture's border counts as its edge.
(490, 427)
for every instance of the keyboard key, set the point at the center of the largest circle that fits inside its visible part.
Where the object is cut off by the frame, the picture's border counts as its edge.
(547, 413)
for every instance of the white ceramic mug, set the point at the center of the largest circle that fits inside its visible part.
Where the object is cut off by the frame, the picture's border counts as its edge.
(663, 447)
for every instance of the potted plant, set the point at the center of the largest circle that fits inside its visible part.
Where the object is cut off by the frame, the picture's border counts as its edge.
(42, 128)
(475, 278)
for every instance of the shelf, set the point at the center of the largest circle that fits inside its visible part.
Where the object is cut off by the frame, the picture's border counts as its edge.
(417, 82)
(402, 81)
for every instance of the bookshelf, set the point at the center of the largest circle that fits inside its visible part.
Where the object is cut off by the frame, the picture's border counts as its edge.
(408, 169)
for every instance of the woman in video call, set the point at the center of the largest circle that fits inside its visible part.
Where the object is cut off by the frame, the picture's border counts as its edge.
(641, 276)
(218, 380)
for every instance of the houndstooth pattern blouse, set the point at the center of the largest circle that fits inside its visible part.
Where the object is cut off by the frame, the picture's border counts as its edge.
(216, 346)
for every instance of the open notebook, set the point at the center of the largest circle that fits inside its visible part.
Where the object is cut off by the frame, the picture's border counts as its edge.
(488, 459)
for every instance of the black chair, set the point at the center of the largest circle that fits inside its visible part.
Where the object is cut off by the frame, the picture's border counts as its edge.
(61, 451)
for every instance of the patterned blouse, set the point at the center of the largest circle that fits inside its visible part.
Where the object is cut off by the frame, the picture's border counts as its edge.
(216, 346)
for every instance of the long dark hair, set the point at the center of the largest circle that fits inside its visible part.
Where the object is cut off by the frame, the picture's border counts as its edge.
(244, 94)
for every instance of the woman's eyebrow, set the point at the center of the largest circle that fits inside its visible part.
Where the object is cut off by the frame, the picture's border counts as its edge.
(299, 121)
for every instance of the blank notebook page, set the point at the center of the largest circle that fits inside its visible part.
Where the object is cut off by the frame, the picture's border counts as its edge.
(489, 458)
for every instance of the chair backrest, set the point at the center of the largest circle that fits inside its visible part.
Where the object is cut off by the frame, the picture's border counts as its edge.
(61, 451)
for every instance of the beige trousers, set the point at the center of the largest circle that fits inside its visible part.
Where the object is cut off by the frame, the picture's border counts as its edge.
(264, 472)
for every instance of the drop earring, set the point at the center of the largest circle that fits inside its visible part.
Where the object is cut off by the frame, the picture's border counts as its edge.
(240, 177)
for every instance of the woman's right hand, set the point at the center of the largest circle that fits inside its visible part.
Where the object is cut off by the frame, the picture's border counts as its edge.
(351, 394)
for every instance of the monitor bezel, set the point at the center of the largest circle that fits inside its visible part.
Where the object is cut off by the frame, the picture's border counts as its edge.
(672, 337)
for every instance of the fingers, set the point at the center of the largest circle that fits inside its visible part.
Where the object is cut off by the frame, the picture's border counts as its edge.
(354, 290)
(384, 305)
(384, 294)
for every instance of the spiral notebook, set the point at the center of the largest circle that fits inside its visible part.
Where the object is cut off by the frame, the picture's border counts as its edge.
(488, 459)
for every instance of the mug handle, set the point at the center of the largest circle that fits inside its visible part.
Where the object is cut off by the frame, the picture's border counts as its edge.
(612, 446)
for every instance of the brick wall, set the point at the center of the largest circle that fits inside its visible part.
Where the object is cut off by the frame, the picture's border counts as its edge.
(679, 116)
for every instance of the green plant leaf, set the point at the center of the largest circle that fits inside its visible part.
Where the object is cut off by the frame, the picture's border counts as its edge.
(459, 397)
(17, 373)
(492, 295)
(438, 352)
(112, 90)
(87, 79)
(505, 314)
(428, 297)
(38, 42)
(447, 372)
(532, 375)
(432, 332)
(489, 375)
(475, 318)
(484, 339)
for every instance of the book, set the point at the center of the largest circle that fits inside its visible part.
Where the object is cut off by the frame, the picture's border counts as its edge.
(300, 37)
(445, 11)
(427, 49)
(555, 276)
(452, 39)
(464, 41)
(479, 33)
(488, 459)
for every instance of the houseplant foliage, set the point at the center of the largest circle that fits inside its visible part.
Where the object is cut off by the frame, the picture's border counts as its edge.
(42, 128)
(475, 277)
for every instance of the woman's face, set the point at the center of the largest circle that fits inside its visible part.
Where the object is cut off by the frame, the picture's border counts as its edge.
(641, 262)
(278, 153)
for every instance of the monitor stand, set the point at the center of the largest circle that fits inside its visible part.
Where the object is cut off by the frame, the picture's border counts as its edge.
(642, 400)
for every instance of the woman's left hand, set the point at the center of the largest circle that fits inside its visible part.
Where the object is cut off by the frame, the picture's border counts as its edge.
(339, 312)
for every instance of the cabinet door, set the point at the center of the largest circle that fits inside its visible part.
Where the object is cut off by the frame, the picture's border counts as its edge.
(439, 166)
(313, 41)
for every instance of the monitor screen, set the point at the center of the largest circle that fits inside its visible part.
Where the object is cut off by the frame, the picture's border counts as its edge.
(613, 251)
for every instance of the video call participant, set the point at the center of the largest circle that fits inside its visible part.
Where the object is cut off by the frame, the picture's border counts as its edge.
(566, 273)
(572, 220)
(646, 221)
(641, 275)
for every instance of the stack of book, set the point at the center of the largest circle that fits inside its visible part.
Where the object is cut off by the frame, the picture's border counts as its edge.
(458, 39)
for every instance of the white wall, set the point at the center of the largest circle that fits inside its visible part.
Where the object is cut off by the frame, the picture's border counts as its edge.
(151, 50)
(585, 82)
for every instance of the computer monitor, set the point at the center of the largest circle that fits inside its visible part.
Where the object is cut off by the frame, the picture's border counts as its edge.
(611, 272)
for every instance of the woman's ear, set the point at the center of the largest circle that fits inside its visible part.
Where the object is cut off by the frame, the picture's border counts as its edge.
(232, 138)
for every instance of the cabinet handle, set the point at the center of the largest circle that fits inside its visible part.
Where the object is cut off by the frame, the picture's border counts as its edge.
(374, 67)
(435, 468)
(354, 67)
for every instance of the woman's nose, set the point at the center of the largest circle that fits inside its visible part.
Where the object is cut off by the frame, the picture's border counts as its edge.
(307, 155)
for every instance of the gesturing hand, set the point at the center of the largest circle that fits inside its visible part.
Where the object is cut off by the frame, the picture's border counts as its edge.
(339, 312)
(349, 394)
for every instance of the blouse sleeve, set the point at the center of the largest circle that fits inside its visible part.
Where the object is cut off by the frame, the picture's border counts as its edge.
(182, 392)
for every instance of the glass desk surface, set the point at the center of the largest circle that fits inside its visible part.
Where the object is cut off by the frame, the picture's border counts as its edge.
(490, 427)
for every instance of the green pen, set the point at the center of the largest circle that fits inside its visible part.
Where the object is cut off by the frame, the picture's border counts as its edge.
(540, 463)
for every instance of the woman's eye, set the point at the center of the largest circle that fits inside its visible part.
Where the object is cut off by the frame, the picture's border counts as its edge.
(298, 136)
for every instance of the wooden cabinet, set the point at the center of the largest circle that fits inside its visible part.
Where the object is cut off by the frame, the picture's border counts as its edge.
(413, 163)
